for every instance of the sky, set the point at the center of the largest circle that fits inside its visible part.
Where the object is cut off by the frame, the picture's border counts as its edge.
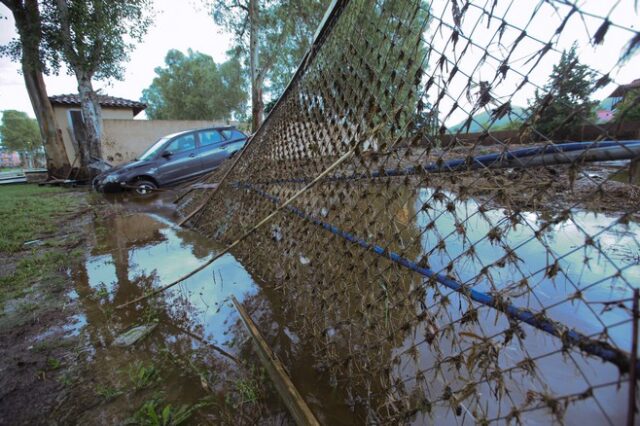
(183, 24)
(179, 24)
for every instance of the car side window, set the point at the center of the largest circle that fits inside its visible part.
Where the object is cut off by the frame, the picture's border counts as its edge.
(210, 137)
(182, 144)
(233, 134)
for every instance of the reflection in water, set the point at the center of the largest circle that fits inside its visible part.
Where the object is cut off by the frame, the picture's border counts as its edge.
(408, 349)
(133, 252)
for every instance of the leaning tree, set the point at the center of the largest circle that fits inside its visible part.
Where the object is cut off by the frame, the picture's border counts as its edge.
(29, 50)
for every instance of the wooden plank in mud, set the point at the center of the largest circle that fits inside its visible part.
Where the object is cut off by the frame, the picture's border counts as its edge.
(297, 406)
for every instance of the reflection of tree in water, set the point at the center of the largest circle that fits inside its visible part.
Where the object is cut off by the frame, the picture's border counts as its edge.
(339, 298)
(190, 371)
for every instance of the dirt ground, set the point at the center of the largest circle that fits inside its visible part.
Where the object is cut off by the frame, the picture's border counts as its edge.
(36, 349)
(59, 288)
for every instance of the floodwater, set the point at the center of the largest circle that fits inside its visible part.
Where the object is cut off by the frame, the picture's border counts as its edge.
(139, 247)
(134, 250)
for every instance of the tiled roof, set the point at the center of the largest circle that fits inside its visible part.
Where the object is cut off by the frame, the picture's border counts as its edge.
(105, 101)
(624, 88)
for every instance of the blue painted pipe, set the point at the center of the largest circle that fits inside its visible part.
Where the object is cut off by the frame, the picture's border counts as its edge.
(570, 337)
(487, 160)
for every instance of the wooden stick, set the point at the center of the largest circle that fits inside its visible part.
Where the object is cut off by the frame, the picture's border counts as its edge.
(297, 406)
(631, 413)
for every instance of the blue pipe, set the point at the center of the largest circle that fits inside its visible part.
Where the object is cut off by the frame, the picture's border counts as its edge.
(570, 337)
(461, 164)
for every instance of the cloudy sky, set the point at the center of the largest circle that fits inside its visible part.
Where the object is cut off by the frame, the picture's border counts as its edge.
(186, 24)
(178, 25)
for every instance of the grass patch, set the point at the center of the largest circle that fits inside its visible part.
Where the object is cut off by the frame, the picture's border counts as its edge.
(107, 392)
(142, 376)
(28, 211)
(153, 413)
(36, 267)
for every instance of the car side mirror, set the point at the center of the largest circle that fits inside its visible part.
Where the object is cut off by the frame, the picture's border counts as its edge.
(167, 154)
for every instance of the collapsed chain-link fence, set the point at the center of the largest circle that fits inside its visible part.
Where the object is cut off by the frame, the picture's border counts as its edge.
(453, 252)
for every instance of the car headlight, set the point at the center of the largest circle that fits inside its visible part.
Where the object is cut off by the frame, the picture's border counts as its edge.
(113, 177)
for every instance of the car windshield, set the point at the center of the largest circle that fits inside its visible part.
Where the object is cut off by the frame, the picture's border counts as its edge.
(153, 149)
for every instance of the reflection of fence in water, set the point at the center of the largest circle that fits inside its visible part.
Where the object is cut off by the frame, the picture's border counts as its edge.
(514, 326)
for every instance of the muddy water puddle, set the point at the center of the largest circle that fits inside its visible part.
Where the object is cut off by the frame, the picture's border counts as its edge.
(181, 364)
(197, 360)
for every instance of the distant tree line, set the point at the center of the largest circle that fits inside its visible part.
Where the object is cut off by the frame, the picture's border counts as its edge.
(194, 87)
(20, 133)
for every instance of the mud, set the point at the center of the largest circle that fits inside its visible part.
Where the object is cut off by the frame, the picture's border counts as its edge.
(62, 367)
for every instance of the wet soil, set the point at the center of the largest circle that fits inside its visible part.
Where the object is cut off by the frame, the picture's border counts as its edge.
(37, 328)
(58, 359)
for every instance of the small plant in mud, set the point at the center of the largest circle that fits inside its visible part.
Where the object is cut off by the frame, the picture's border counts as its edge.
(248, 391)
(153, 414)
(107, 392)
(149, 314)
(54, 363)
(142, 376)
(66, 380)
(102, 292)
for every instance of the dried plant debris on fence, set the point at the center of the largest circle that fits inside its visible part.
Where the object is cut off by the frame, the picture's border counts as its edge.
(472, 252)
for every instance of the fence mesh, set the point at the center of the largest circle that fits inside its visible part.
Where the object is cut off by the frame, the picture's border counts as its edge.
(446, 269)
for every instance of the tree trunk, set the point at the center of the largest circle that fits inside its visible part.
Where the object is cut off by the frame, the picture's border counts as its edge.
(27, 17)
(57, 159)
(257, 105)
(92, 117)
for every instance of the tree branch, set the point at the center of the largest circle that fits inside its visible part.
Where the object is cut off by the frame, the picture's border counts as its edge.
(67, 42)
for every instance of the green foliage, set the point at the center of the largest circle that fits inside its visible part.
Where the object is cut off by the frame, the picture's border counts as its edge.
(19, 132)
(108, 392)
(94, 37)
(54, 363)
(153, 414)
(193, 87)
(629, 108)
(248, 391)
(285, 30)
(564, 104)
(511, 121)
(142, 376)
(269, 105)
(27, 212)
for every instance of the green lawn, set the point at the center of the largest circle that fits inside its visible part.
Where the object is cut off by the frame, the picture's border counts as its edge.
(29, 211)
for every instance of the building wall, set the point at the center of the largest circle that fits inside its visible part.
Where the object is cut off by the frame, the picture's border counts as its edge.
(61, 113)
(124, 140)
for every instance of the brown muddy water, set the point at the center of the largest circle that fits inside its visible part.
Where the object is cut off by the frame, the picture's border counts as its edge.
(139, 246)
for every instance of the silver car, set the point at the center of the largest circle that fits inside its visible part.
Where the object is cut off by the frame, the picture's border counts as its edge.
(173, 159)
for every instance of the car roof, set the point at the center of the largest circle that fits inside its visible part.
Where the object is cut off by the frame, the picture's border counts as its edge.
(184, 132)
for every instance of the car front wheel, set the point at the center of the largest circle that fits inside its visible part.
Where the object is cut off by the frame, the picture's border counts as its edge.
(144, 187)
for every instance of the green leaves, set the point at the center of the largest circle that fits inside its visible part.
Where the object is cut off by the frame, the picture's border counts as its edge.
(285, 30)
(564, 104)
(194, 87)
(94, 37)
(19, 132)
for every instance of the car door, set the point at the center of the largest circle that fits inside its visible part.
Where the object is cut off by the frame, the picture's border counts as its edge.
(211, 151)
(235, 140)
(179, 160)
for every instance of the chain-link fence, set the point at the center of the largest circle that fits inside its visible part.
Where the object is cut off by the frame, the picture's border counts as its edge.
(448, 234)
